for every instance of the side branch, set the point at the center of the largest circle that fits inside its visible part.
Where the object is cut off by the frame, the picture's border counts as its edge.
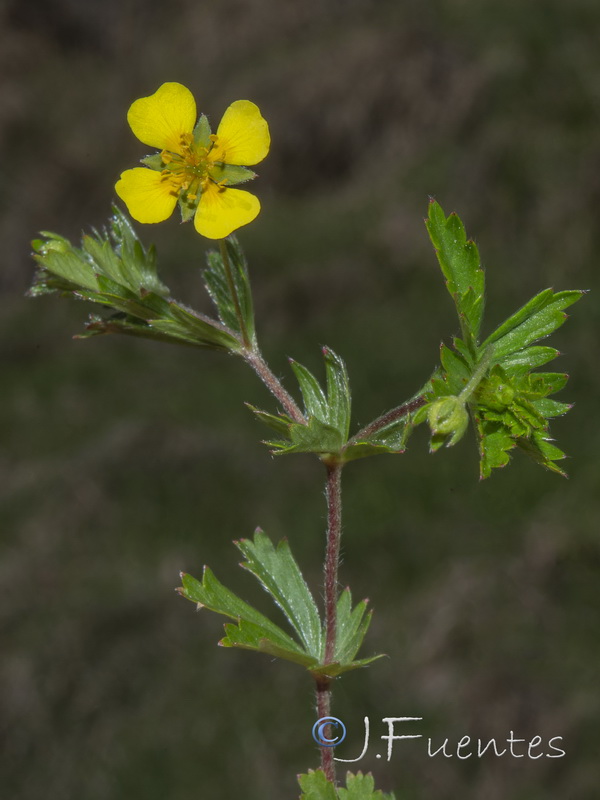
(260, 366)
(387, 419)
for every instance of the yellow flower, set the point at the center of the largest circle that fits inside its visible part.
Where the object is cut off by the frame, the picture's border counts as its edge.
(194, 168)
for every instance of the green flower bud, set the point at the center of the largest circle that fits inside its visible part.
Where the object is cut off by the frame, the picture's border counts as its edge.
(55, 246)
(448, 416)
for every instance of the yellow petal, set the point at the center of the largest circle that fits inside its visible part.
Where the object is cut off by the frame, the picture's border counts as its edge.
(146, 195)
(221, 211)
(161, 119)
(242, 136)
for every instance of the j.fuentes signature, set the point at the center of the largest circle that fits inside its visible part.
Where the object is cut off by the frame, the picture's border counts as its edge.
(331, 731)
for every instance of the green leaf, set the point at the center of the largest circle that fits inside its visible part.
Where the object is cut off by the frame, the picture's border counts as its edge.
(541, 384)
(338, 393)
(508, 402)
(550, 408)
(525, 360)
(249, 636)
(211, 594)
(332, 408)
(204, 330)
(113, 269)
(335, 669)
(458, 370)
(315, 401)
(542, 315)
(495, 442)
(328, 413)
(130, 326)
(139, 263)
(280, 423)
(541, 449)
(391, 438)
(460, 264)
(280, 576)
(315, 786)
(361, 787)
(352, 626)
(219, 289)
(116, 255)
(59, 258)
(314, 437)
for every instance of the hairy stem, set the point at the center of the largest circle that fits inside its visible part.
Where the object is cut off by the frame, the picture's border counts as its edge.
(332, 555)
(332, 560)
(387, 419)
(324, 710)
(233, 291)
(260, 366)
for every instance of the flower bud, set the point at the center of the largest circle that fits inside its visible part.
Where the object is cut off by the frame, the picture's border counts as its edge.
(448, 416)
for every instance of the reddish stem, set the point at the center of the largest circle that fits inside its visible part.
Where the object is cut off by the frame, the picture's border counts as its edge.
(332, 560)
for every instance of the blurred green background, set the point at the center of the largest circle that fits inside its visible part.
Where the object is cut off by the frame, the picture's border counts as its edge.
(123, 462)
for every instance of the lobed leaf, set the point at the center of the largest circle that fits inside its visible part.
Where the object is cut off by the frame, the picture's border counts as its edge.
(313, 437)
(113, 269)
(338, 393)
(217, 284)
(315, 786)
(538, 318)
(460, 264)
(280, 576)
(361, 787)
(315, 401)
(213, 595)
(328, 413)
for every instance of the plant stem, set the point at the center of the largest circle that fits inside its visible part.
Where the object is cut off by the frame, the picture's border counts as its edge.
(324, 710)
(253, 357)
(476, 377)
(233, 291)
(388, 418)
(332, 555)
(332, 560)
(251, 353)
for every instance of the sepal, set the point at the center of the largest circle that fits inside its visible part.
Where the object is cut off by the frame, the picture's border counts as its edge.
(230, 174)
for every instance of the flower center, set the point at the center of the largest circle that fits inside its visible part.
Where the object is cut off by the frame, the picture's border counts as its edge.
(187, 170)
